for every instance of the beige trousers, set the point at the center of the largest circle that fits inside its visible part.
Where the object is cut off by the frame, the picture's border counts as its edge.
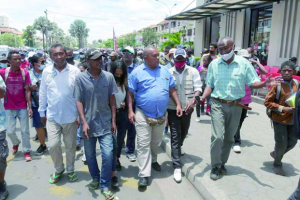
(69, 133)
(148, 139)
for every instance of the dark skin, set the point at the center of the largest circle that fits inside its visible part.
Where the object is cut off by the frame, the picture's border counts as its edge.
(152, 62)
(15, 62)
(225, 46)
(95, 71)
(128, 58)
(287, 75)
(212, 48)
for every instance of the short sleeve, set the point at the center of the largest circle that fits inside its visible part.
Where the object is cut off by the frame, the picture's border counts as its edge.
(172, 82)
(251, 75)
(78, 91)
(27, 78)
(112, 88)
(210, 79)
(132, 82)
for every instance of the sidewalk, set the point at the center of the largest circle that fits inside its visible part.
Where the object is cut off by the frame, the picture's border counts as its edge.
(249, 174)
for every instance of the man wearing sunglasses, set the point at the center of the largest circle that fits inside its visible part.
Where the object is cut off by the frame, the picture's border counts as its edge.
(128, 55)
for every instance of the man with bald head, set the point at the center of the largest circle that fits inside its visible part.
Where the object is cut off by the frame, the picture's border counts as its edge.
(151, 85)
(225, 81)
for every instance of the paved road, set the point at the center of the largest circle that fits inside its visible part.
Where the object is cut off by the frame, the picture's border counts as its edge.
(30, 180)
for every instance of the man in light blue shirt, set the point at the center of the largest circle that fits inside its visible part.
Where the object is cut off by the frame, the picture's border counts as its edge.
(152, 85)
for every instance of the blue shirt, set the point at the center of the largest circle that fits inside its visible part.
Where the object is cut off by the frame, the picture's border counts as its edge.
(151, 88)
(130, 68)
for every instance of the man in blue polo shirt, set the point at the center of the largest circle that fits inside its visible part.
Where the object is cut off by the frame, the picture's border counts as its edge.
(152, 86)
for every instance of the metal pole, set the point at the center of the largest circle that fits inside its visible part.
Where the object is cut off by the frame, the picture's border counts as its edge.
(46, 28)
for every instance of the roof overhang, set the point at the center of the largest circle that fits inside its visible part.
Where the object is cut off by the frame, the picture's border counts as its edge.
(217, 7)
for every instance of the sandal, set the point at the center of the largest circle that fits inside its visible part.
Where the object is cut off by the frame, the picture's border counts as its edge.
(94, 185)
(54, 178)
(72, 176)
(107, 194)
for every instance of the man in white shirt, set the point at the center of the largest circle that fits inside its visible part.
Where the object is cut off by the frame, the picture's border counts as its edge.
(56, 97)
(188, 82)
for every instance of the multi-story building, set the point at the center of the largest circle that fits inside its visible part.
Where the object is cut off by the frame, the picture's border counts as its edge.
(4, 21)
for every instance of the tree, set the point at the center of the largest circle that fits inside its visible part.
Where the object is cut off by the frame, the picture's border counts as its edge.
(149, 37)
(78, 30)
(109, 43)
(11, 40)
(129, 39)
(70, 42)
(28, 35)
(173, 39)
(57, 35)
(42, 24)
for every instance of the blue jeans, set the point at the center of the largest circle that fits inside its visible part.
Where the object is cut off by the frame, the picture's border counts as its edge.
(79, 138)
(106, 146)
(122, 120)
(131, 133)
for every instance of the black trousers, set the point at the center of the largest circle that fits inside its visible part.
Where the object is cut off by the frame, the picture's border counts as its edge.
(237, 136)
(179, 127)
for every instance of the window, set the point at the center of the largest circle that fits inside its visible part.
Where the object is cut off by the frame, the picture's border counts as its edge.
(190, 32)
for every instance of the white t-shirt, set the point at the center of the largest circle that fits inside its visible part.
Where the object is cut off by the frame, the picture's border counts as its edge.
(120, 96)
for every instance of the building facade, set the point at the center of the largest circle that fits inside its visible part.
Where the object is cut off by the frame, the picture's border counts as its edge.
(4, 21)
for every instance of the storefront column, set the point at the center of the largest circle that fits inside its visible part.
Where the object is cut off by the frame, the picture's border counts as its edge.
(199, 33)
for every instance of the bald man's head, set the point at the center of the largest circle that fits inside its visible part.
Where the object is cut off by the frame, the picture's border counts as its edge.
(226, 47)
(151, 57)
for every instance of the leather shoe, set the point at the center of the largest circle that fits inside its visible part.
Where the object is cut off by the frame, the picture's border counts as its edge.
(143, 182)
(156, 166)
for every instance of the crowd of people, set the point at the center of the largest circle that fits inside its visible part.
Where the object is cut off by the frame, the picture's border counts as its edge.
(106, 97)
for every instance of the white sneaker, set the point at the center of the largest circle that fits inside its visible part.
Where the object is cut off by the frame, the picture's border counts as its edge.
(177, 175)
(182, 152)
(237, 148)
(198, 119)
(83, 158)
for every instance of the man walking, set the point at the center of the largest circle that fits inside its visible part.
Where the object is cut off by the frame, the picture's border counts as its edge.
(56, 96)
(187, 82)
(226, 80)
(212, 52)
(152, 85)
(17, 100)
(96, 104)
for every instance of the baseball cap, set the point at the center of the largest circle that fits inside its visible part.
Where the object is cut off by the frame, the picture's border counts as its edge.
(294, 59)
(243, 53)
(130, 49)
(93, 54)
(172, 51)
(179, 52)
(2, 58)
(140, 52)
(22, 53)
(113, 54)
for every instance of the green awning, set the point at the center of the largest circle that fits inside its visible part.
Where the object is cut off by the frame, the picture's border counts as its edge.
(217, 7)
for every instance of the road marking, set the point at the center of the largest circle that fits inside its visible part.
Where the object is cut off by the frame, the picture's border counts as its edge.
(85, 168)
(61, 191)
(9, 159)
(131, 182)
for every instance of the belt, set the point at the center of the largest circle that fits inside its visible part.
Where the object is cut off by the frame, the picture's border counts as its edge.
(233, 103)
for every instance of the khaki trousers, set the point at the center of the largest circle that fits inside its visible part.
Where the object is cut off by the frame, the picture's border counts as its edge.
(225, 120)
(148, 139)
(69, 133)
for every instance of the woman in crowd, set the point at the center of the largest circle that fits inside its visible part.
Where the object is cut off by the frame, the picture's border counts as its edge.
(37, 63)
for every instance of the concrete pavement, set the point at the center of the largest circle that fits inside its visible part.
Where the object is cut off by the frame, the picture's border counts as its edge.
(250, 174)
(30, 180)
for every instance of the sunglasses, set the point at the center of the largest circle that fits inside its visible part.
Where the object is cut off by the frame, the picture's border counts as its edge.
(126, 53)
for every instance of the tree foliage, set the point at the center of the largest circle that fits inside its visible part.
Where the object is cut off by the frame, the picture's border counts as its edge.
(28, 35)
(57, 35)
(149, 37)
(173, 39)
(79, 30)
(42, 24)
(11, 40)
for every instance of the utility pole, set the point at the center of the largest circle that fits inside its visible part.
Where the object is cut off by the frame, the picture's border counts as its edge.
(46, 12)
(170, 10)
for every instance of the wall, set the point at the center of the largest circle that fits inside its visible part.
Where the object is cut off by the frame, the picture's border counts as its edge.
(285, 32)
(199, 33)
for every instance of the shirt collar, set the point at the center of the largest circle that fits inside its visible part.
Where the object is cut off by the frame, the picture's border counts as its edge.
(67, 68)
(175, 69)
(235, 59)
(89, 74)
(146, 67)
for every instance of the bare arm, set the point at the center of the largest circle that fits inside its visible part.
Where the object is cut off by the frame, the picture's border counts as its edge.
(175, 98)
(206, 92)
(2, 93)
(131, 115)
(113, 108)
(28, 99)
(85, 126)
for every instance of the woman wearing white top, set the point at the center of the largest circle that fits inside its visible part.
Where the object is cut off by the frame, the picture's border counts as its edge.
(120, 73)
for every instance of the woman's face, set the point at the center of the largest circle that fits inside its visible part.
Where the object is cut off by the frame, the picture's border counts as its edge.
(39, 63)
(118, 73)
(205, 62)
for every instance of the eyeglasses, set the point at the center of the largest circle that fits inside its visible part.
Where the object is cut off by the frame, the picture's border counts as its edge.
(126, 53)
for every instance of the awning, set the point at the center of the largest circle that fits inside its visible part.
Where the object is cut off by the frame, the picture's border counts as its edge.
(217, 7)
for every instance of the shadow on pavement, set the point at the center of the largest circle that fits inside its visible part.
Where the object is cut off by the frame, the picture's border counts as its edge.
(247, 143)
(189, 158)
(15, 190)
(205, 121)
(288, 168)
(253, 113)
(206, 169)
(235, 170)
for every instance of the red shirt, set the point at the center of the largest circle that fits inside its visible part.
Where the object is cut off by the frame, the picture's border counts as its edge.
(15, 92)
(24, 64)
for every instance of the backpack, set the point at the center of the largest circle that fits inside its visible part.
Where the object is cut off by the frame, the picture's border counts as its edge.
(278, 91)
(7, 70)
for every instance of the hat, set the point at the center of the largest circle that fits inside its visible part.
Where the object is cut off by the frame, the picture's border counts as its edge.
(93, 54)
(130, 49)
(140, 52)
(294, 59)
(179, 52)
(243, 53)
(2, 58)
(205, 50)
(113, 54)
(22, 53)
(172, 51)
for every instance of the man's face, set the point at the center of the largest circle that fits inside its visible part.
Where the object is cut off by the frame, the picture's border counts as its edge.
(287, 73)
(212, 48)
(70, 53)
(15, 60)
(225, 47)
(81, 68)
(249, 50)
(127, 56)
(22, 56)
(58, 55)
(113, 58)
(152, 58)
(96, 63)
(166, 51)
(180, 59)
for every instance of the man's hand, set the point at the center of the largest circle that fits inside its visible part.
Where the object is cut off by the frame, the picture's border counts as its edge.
(289, 110)
(179, 111)
(33, 87)
(43, 120)
(189, 106)
(85, 130)
(30, 113)
(273, 81)
(77, 122)
(113, 127)
(253, 61)
(123, 104)
(131, 117)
